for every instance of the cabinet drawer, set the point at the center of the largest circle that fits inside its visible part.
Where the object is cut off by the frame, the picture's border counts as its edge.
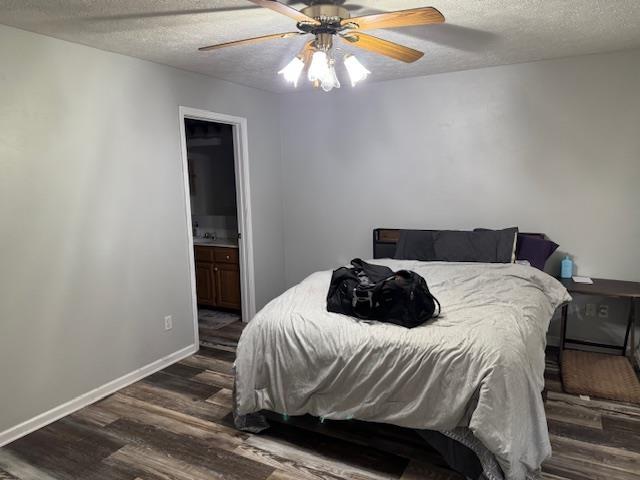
(203, 254)
(226, 255)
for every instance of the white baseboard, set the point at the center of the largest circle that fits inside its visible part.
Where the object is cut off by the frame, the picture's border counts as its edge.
(92, 396)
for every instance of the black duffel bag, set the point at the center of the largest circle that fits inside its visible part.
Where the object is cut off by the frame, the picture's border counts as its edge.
(375, 292)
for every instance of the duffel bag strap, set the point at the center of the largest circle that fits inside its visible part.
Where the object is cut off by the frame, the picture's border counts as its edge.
(358, 297)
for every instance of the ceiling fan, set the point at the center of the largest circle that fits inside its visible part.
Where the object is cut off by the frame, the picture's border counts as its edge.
(325, 21)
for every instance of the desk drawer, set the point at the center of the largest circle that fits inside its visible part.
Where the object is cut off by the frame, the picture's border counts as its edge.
(226, 255)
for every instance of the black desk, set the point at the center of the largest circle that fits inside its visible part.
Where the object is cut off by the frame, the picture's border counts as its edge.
(610, 289)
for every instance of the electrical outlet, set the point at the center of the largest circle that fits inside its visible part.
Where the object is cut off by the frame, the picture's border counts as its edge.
(168, 322)
(590, 310)
(603, 311)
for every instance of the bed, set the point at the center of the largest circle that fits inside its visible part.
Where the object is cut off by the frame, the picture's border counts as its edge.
(474, 375)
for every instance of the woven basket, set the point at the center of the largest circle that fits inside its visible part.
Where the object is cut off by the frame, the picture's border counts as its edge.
(598, 375)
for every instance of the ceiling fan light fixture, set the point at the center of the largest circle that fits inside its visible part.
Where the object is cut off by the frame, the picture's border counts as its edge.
(330, 81)
(357, 72)
(292, 71)
(322, 71)
(328, 20)
(319, 68)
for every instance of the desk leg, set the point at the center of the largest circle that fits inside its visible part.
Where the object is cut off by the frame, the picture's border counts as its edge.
(563, 329)
(631, 331)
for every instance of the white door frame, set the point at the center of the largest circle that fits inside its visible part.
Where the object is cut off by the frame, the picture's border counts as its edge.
(243, 198)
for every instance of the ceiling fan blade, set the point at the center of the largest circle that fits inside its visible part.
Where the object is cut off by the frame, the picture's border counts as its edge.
(401, 18)
(285, 10)
(307, 50)
(306, 53)
(249, 41)
(382, 47)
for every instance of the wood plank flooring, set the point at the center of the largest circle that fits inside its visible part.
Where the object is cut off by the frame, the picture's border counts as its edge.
(219, 328)
(177, 424)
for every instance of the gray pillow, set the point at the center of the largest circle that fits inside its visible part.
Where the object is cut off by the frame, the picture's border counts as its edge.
(415, 245)
(494, 246)
(487, 246)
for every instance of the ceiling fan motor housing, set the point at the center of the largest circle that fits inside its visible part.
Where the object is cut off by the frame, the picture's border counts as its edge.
(329, 17)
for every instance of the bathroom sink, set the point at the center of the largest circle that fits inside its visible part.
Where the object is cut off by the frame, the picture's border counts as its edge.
(217, 242)
(204, 240)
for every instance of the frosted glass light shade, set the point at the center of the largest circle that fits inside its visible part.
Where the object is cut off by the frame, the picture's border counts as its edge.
(292, 71)
(330, 81)
(319, 67)
(356, 70)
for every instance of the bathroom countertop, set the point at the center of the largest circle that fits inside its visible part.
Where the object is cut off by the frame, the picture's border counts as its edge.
(220, 242)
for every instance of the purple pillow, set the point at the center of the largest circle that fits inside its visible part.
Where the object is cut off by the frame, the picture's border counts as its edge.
(535, 249)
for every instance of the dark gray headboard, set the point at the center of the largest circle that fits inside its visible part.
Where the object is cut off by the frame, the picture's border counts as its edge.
(385, 239)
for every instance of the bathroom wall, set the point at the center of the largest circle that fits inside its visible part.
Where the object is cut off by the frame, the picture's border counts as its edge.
(212, 178)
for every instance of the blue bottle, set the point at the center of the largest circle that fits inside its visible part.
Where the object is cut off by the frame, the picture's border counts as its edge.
(566, 268)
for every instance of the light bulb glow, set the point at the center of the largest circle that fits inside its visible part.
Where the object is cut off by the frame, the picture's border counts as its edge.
(319, 66)
(321, 70)
(292, 71)
(356, 70)
(330, 80)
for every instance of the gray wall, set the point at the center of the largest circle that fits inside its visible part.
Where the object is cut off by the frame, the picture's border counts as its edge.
(212, 173)
(550, 146)
(94, 242)
(213, 185)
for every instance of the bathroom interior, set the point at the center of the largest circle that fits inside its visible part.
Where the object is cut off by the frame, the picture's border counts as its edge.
(214, 217)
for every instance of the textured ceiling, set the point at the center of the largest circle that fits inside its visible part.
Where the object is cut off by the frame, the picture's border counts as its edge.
(478, 33)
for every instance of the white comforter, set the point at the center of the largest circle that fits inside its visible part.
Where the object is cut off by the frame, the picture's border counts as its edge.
(480, 365)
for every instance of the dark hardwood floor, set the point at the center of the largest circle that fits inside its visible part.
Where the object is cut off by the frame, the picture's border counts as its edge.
(219, 328)
(177, 424)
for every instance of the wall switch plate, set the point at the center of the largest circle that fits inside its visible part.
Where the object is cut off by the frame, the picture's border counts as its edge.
(590, 310)
(168, 322)
(603, 311)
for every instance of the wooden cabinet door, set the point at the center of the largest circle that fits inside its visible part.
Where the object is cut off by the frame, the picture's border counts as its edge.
(228, 285)
(205, 284)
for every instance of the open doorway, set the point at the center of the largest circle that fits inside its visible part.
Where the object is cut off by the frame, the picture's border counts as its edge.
(216, 187)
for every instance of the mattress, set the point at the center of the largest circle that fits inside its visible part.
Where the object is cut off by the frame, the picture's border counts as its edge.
(479, 366)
